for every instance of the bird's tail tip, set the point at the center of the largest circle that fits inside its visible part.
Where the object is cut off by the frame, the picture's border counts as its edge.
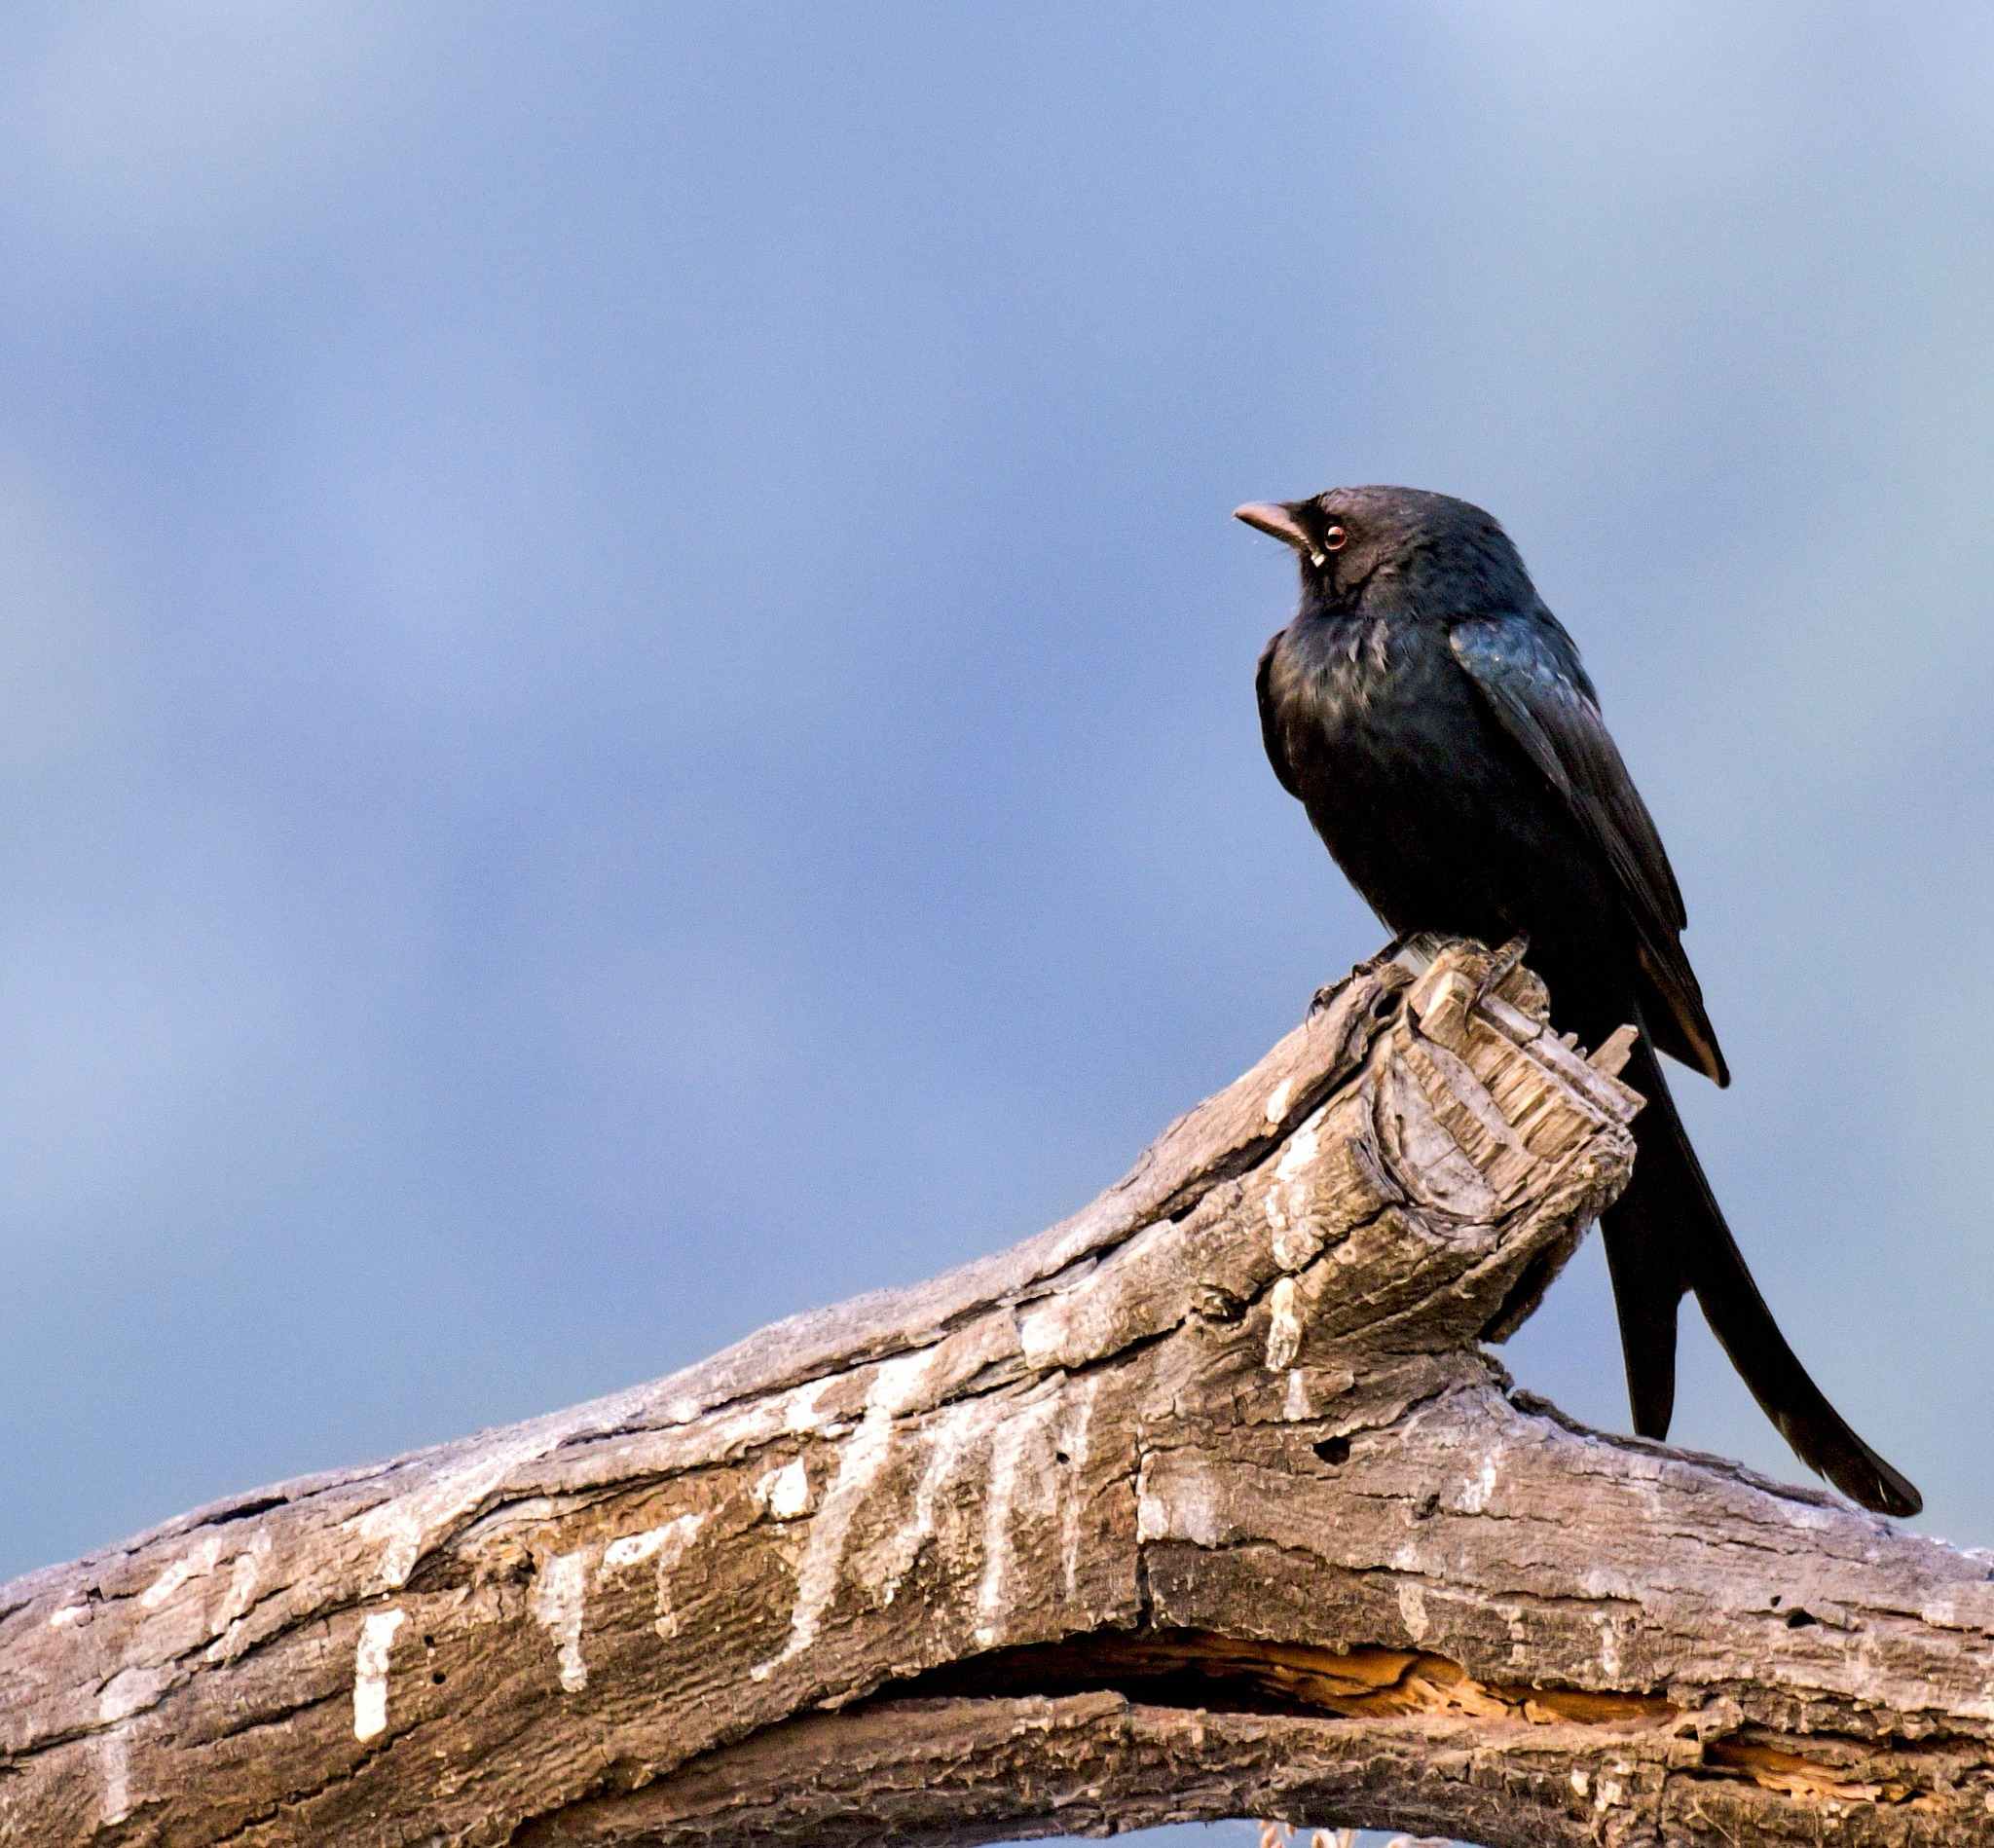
(1852, 1466)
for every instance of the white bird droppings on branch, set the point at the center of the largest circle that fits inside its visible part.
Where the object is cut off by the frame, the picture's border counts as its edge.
(560, 1603)
(1283, 1326)
(369, 1670)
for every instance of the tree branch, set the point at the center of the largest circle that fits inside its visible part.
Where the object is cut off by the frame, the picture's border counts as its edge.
(1205, 1502)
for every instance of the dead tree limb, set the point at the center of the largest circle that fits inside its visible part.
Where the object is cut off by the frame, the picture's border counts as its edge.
(1205, 1502)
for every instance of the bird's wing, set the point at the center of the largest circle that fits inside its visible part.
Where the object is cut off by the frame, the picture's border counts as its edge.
(1269, 720)
(1530, 673)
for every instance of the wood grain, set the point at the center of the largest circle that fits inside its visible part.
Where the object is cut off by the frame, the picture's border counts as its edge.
(1205, 1502)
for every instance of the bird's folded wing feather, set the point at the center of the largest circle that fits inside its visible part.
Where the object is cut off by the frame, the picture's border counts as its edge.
(1529, 671)
(1269, 720)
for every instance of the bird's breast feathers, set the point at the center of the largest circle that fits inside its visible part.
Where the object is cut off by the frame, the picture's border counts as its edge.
(1358, 671)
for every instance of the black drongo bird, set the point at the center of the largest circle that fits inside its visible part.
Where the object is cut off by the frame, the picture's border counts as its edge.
(1433, 719)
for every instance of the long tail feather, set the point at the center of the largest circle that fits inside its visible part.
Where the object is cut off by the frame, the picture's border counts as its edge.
(1665, 1235)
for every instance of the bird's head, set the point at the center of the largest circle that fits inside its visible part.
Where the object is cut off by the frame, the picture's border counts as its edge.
(1354, 541)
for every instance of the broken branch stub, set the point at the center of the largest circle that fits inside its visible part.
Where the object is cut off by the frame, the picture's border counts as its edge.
(1205, 1502)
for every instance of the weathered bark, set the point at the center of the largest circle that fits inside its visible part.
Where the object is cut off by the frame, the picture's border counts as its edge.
(1205, 1502)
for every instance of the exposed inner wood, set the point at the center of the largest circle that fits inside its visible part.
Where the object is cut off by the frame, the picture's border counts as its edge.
(1206, 1501)
(1202, 1671)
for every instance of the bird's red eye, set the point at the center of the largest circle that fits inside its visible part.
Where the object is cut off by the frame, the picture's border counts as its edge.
(1335, 539)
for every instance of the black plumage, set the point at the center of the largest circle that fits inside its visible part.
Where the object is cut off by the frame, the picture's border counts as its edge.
(1433, 718)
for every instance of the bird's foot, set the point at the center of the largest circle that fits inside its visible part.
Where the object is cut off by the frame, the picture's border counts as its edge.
(1372, 964)
(1501, 965)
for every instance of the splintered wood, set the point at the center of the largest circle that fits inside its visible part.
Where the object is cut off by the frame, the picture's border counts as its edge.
(1205, 1502)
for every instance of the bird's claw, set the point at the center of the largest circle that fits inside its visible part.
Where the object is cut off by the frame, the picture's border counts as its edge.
(1501, 965)
(1370, 966)
(1389, 953)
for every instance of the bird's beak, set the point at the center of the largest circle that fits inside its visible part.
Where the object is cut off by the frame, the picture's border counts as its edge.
(1275, 521)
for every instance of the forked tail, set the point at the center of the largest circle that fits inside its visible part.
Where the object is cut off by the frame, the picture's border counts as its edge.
(1665, 1235)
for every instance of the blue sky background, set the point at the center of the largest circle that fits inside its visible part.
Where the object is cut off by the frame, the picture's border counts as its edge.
(626, 687)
